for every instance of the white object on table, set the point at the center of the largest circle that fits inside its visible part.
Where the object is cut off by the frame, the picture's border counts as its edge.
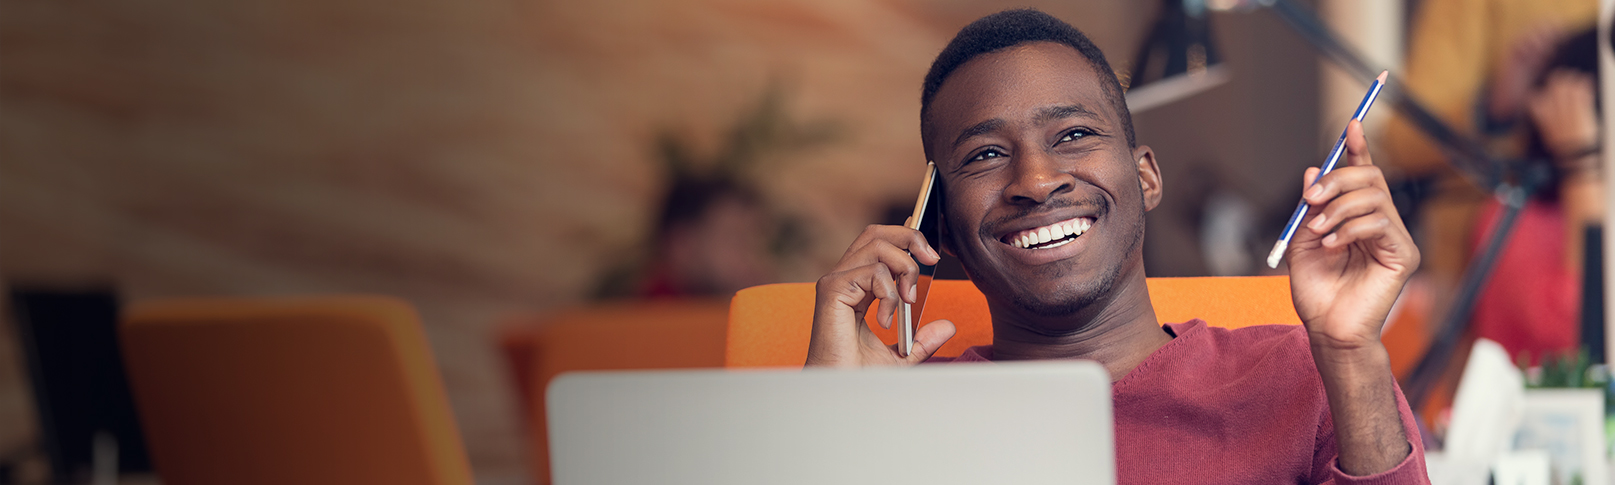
(1526, 467)
(1487, 408)
(1568, 424)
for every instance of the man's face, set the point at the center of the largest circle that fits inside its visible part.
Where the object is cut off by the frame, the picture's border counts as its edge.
(1028, 143)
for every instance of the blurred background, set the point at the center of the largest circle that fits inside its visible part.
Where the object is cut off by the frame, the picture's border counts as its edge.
(496, 164)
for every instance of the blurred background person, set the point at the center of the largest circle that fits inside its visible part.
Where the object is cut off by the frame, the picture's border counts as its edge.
(1532, 302)
(711, 239)
(1474, 65)
(715, 231)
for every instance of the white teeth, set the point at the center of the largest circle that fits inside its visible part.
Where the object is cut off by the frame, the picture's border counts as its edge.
(1058, 244)
(1052, 232)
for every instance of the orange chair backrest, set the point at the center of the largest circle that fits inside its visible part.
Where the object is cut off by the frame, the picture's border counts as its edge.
(769, 325)
(658, 334)
(336, 390)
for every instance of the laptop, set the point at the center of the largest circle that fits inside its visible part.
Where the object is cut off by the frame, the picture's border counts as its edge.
(1023, 423)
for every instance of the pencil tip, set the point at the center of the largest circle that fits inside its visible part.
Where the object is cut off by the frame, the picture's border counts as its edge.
(1383, 75)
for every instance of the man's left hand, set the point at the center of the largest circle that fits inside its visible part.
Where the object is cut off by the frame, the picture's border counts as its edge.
(1348, 262)
(1351, 255)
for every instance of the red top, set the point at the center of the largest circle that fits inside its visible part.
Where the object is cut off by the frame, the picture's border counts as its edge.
(1531, 302)
(1231, 406)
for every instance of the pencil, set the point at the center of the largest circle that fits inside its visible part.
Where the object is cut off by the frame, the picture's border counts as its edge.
(1274, 257)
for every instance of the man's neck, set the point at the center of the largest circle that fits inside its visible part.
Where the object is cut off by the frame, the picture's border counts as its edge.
(1118, 332)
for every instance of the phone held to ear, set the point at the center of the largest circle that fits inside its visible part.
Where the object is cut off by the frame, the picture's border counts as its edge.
(927, 220)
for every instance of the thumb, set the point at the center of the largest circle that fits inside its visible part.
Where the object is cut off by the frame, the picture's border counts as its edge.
(930, 338)
(1357, 145)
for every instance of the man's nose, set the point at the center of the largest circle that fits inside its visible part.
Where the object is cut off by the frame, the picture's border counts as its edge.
(1037, 178)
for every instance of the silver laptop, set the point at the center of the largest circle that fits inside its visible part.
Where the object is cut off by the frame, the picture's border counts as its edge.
(1023, 423)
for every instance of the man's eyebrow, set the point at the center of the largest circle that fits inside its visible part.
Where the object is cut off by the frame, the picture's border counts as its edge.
(1043, 115)
(1062, 112)
(978, 129)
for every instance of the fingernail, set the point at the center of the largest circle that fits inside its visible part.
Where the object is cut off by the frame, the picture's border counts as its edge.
(1315, 191)
(1330, 240)
(933, 252)
(913, 292)
(1317, 222)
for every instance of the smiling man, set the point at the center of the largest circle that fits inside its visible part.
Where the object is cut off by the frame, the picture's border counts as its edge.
(1045, 191)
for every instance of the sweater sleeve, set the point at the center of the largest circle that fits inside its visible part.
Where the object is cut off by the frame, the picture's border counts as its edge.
(1410, 471)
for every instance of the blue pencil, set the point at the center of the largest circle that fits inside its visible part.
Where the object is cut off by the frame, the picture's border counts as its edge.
(1328, 165)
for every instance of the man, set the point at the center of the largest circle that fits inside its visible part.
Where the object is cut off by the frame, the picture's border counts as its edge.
(1045, 191)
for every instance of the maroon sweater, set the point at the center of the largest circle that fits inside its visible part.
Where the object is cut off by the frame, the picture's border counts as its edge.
(1231, 406)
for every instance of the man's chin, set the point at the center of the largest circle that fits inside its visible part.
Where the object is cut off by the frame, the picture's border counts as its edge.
(1071, 305)
(1065, 298)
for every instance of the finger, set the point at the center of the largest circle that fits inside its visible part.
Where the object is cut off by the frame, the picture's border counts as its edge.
(909, 240)
(1578, 88)
(885, 290)
(902, 266)
(855, 290)
(1348, 206)
(1308, 178)
(843, 298)
(1568, 77)
(1357, 145)
(1583, 82)
(1562, 83)
(930, 338)
(895, 246)
(897, 261)
(1366, 228)
(1342, 180)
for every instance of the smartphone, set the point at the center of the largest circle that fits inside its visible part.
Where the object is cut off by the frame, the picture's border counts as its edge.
(926, 219)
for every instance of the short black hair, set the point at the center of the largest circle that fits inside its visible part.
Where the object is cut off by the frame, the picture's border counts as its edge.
(1011, 28)
(690, 197)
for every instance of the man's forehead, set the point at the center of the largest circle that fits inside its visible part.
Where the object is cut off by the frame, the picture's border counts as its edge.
(1027, 80)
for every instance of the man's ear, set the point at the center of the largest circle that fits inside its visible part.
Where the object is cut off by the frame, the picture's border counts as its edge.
(1149, 176)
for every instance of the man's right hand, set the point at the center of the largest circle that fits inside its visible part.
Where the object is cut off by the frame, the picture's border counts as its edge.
(876, 267)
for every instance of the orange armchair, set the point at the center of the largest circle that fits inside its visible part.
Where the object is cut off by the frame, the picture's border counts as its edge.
(666, 334)
(331, 390)
(769, 325)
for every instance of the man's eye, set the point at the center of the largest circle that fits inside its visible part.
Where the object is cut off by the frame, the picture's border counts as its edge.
(986, 155)
(1073, 135)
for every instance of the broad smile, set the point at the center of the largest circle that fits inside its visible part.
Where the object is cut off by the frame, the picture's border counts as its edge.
(1050, 236)
(1048, 243)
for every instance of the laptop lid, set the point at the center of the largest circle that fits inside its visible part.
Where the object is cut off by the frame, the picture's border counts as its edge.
(1024, 423)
